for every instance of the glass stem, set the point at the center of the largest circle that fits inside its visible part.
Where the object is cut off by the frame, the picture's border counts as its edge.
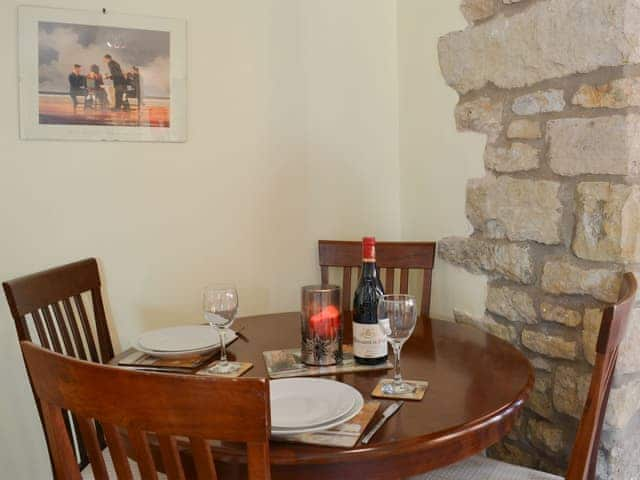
(223, 348)
(397, 376)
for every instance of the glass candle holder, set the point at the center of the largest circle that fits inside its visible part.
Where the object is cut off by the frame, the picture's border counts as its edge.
(321, 325)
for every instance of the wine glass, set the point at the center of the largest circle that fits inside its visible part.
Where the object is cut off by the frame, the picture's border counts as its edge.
(220, 306)
(397, 316)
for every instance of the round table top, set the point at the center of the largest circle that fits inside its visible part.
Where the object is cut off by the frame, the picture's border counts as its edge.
(477, 385)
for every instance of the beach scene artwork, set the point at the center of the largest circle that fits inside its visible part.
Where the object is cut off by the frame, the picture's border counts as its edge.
(103, 76)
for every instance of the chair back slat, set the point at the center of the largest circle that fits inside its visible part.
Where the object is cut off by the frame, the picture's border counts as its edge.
(142, 454)
(405, 256)
(324, 275)
(102, 329)
(582, 465)
(94, 451)
(39, 326)
(389, 280)
(95, 393)
(404, 280)
(118, 452)
(64, 460)
(63, 329)
(75, 330)
(203, 459)
(171, 458)
(86, 328)
(51, 329)
(426, 292)
(346, 288)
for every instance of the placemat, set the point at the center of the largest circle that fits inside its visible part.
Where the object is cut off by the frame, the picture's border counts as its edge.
(244, 368)
(288, 363)
(345, 435)
(418, 394)
(142, 361)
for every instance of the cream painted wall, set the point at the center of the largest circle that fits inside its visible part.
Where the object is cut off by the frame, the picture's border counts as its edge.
(292, 137)
(436, 161)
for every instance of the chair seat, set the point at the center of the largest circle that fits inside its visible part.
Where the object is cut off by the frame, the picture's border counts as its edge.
(87, 472)
(483, 468)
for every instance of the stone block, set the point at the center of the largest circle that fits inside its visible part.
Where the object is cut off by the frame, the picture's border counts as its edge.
(623, 404)
(570, 390)
(513, 261)
(590, 332)
(517, 157)
(534, 45)
(563, 277)
(542, 101)
(546, 435)
(629, 353)
(516, 209)
(608, 222)
(483, 115)
(541, 404)
(543, 364)
(513, 304)
(487, 324)
(510, 453)
(602, 145)
(560, 314)
(476, 10)
(525, 129)
(619, 93)
(549, 345)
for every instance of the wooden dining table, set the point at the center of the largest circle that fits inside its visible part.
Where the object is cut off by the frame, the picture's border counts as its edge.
(478, 383)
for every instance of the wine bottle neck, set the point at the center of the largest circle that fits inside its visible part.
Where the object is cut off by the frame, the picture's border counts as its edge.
(369, 269)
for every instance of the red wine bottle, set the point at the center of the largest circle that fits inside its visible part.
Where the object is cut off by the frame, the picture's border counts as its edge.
(369, 342)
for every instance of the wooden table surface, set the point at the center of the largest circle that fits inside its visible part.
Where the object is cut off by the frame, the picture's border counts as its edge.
(477, 385)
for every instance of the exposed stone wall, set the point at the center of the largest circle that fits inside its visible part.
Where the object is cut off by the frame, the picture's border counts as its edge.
(554, 86)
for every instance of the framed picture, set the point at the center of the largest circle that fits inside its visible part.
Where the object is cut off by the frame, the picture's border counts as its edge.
(100, 76)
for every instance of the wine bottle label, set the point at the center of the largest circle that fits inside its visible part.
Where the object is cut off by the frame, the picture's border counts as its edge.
(368, 340)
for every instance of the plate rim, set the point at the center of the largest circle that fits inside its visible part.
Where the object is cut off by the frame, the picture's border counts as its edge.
(348, 389)
(174, 327)
(348, 416)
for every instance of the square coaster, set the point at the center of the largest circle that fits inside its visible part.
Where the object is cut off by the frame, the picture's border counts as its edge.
(421, 387)
(244, 368)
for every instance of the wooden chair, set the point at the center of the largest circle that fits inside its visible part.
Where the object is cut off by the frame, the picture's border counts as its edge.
(582, 465)
(390, 256)
(49, 307)
(199, 408)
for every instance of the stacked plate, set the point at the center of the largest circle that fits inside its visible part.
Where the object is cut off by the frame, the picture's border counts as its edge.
(182, 341)
(301, 405)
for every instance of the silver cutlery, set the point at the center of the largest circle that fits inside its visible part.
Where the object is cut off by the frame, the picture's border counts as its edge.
(386, 414)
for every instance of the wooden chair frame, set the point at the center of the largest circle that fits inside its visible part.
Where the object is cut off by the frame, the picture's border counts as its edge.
(584, 456)
(169, 405)
(53, 301)
(405, 256)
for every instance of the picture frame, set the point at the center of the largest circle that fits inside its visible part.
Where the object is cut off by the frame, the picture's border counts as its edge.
(98, 76)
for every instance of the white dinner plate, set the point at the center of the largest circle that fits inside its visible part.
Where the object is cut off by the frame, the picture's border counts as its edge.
(355, 410)
(308, 402)
(229, 336)
(180, 338)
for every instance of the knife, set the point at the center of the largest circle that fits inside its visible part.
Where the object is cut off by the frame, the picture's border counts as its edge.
(388, 412)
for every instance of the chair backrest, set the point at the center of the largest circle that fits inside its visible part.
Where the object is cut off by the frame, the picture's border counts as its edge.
(48, 307)
(196, 407)
(615, 319)
(389, 256)
(51, 301)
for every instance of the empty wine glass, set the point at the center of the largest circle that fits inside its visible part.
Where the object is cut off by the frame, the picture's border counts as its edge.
(220, 306)
(397, 316)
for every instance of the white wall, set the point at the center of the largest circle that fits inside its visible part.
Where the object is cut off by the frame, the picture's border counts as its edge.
(436, 160)
(292, 137)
